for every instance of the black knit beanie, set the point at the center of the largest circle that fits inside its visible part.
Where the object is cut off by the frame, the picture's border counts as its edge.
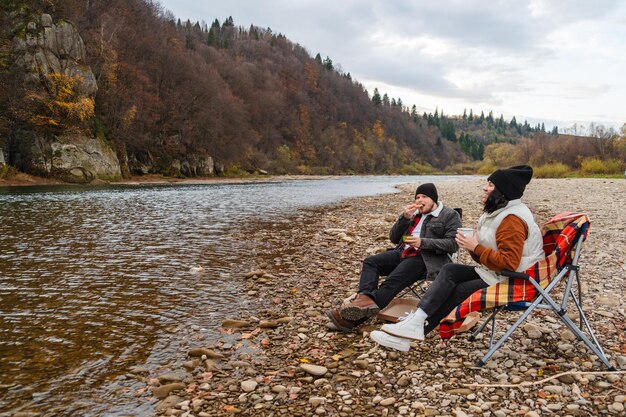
(428, 190)
(512, 181)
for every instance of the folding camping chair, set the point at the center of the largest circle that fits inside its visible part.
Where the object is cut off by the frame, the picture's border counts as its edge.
(534, 289)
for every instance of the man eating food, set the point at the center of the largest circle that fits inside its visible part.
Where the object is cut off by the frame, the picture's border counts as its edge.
(424, 236)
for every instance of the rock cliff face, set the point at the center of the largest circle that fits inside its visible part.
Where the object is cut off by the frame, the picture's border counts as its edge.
(54, 48)
(45, 49)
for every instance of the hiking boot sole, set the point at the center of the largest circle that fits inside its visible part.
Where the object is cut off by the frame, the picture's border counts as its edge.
(355, 313)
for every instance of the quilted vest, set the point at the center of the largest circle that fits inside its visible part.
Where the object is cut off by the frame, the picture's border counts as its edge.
(533, 245)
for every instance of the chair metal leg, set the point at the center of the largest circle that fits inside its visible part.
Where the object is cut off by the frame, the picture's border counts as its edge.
(492, 319)
(411, 289)
(508, 333)
(592, 344)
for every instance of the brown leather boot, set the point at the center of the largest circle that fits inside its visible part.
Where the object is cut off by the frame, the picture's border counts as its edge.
(339, 322)
(362, 307)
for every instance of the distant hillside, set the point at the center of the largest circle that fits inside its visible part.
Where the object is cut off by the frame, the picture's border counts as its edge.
(475, 132)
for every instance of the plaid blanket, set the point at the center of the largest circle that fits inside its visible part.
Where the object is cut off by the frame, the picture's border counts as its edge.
(559, 242)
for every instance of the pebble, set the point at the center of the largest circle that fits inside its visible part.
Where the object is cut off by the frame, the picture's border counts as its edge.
(314, 370)
(618, 407)
(279, 388)
(230, 323)
(209, 353)
(568, 335)
(460, 413)
(169, 378)
(164, 390)
(387, 401)
(316, 401)
(553, 389)
(249, 385)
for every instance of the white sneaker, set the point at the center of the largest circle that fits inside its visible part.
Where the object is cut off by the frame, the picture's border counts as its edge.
(390, 341)
(409, 327)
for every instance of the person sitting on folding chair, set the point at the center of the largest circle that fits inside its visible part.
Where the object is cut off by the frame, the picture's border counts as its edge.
(424, 234)
(507, 238)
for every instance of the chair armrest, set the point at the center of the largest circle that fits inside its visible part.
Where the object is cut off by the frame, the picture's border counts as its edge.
(513, 274)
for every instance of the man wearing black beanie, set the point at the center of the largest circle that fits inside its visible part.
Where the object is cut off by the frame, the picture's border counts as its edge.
(424, 234)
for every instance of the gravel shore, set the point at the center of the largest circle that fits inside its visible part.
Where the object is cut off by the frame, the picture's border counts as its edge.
(284, 361)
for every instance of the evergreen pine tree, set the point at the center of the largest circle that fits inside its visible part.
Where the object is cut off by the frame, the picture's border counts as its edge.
(328, 63)
(376, 97)
(211, 38)
(228, 22)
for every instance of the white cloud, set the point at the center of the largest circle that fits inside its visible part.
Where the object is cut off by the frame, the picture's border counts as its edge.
(553, 60)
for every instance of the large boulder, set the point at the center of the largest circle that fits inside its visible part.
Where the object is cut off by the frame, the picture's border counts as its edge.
(72, 158)
(140, 163)
(205, 167)
(31, 153)
(82, 159)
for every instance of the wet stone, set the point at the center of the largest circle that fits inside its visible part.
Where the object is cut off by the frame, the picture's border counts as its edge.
(164, 390)
(209, 353)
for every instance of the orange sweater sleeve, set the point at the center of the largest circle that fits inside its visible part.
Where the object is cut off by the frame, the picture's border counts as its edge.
(510, 238)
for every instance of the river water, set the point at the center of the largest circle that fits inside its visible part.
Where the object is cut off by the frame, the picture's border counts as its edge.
(94, 281)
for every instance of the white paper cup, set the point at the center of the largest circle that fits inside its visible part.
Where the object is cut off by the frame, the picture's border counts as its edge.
(466, 231)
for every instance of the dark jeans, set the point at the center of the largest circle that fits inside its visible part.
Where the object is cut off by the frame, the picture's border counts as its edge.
(453, 285)
(400, 272)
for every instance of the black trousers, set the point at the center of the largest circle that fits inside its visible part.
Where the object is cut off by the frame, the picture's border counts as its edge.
(454, 283)
(400, 272)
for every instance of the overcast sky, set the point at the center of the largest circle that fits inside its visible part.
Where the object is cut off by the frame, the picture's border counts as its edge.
(554, 61)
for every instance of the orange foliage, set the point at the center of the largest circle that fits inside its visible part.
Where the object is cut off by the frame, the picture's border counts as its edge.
(64, 107)
(378, 130)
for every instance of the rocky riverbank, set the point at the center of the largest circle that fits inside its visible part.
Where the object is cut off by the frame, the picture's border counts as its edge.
(21, 179)
(283, 360)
